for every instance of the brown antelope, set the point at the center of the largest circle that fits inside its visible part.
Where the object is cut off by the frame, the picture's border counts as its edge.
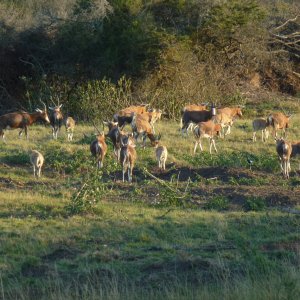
(127, 156)
(99, 148)
(206, 130)
(226, 116)
(56, 119)
(260, 124)
(70, 126)
(278, 120)
(284, 151)
(22, 120)
(37, 161)
(153, 116)
(197, 117)
(124, 116)
(141, 126)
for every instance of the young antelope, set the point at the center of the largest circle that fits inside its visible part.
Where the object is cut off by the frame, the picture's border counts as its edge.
(284, 151)
(260, 124)
(37, 161)
(161, 153)
(70, 125)
(127, 156)
(98, 149)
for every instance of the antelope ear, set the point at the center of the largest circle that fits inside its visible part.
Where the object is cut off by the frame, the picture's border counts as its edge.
(60, 106)
(38, 110)
(51, 108)
(115, 123)
(105, 123)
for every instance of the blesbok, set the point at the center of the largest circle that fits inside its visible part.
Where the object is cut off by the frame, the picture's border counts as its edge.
(278, 120)
(70, 126)
(124, 116)
(208, 130)
(192, 107)
(225, 116)
(114, 133)
(56, 119)
(98, 148)
(153, 116)
(141, 127)
(161, 154)
(22, 120)
(197, 117)
(284, 151)
(37, 161)
(260, 124)
(127, 156)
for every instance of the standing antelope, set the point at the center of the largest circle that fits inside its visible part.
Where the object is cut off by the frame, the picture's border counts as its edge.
(226, 116)
(56, 119)
(197, 117)
(70, 126)
(114, 135)
(278, 120)
(22, 120)
(161, 153)
(37, 161)
(284, 151)
(206, 130)
(99, 148)
(127, 156)
(260, 124)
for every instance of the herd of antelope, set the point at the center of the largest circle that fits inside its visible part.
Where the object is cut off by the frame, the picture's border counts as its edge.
(203, 121)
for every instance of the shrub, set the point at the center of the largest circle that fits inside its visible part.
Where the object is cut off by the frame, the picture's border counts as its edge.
(217, 203)
(255, 204)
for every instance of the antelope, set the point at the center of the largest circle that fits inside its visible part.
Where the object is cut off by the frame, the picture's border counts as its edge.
(114, 135)
(278, 120)
(70, 125)
(56, 119)
(124, 116)
(153, 116)
(98, 148)
(284, 151)
(37, 161)
(225, 117)
(197, 117)
(191, 107)
(161, 153)
(141, 126)
(22, 120)
(260, 124)
(127, 156)
(206, 130)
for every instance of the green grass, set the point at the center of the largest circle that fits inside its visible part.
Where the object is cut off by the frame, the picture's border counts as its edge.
(206, 228)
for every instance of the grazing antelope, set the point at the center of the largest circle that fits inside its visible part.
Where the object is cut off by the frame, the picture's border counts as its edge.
(99, 148)
(278, 120)
(22, 120)
(161, 153)
(56, 119)
(124, 116)
(127, 156)
(70, 126)
(37, 161)
(260, 124)
(141, 126)
(206, 130)
(197, 117)
(284, 151)
(226, 116)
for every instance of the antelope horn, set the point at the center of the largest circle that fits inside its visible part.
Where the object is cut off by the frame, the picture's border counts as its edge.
(43, 104)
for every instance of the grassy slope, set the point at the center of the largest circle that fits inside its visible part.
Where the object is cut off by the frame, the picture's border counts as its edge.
(136, 244)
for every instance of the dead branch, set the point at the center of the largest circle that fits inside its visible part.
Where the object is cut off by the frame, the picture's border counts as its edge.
(285, 24)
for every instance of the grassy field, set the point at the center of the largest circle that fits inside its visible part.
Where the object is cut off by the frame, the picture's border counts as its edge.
(208, 227)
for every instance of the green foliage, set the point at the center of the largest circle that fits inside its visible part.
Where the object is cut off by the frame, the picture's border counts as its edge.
(255, 204)
(217, 203)
(85, 198)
